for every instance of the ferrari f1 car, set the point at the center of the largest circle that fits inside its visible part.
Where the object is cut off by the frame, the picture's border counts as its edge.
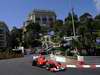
(50, 65)
(54, 66)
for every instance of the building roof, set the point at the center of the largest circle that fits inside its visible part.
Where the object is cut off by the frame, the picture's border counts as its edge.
(3, 25)
(36, 11)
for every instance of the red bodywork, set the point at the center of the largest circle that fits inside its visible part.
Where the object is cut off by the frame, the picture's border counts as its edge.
(57, 66)
(41, 60)
(53, 65)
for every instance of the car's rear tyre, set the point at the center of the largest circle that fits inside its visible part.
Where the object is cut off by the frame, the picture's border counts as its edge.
(47, 66)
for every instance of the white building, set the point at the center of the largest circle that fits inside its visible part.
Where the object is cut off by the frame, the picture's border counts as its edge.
(43, 17)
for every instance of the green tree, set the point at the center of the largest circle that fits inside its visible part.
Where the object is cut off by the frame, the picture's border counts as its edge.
(16, 37)
(97, 22)
(68, 26)
(58, 25)
(97, 29)
(31, 34)
(57, 28)
(86, 31)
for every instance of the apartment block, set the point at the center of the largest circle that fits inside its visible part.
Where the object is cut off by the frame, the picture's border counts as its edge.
(4, 35)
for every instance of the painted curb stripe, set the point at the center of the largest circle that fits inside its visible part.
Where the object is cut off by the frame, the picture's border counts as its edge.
(98, 66)
(71, 66)
(83, 66)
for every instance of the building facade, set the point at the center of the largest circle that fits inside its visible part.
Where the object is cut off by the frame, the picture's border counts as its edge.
(43, 17)
(4, 35)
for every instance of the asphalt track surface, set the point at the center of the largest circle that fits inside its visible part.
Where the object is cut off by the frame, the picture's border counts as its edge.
(22, 66)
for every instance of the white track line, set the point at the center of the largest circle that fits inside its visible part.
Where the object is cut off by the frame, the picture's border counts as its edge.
(71, 66)
(86, 66)
(98, 66)
(83, 66)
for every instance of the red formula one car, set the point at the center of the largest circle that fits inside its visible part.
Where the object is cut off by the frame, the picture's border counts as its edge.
(54, 66)
(39, 61)
(50, 65)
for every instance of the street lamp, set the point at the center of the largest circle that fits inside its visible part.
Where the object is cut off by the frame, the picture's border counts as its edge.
(73, 24)
(72, 17)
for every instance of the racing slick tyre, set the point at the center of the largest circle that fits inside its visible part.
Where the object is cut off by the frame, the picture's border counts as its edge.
(34, 63)
(49, 66)
(41, 65)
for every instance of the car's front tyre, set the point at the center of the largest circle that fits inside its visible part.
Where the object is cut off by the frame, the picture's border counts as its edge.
(34, 63)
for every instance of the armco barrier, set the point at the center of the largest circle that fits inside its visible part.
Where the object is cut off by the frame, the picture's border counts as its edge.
(80, 60)
(92, 60)
(58, 58)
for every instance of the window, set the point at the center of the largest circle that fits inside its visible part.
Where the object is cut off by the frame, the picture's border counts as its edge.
(1, 43)
(1, 31)
(37, 19)
(50, 19)
(44, 20)
(1, 37)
